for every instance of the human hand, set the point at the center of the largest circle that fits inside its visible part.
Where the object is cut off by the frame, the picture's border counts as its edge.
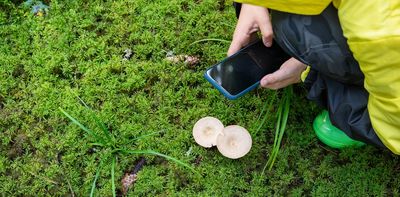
(289, 73)
(251, 20)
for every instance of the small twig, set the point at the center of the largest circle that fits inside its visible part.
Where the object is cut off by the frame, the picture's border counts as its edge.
(139, 165)
(331, 151)
(210, 39)
(70, 188)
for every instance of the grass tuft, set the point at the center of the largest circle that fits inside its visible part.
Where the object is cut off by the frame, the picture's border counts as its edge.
(106, 141)
(282, 117)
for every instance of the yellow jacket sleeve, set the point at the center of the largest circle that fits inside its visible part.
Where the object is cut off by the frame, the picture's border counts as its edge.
(372, 29)
(306, 7)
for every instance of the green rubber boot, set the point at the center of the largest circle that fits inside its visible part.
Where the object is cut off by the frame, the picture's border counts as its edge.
(331, 135)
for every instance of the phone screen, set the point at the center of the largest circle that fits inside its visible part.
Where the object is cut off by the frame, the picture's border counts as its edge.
(237, 73)
(242, 70)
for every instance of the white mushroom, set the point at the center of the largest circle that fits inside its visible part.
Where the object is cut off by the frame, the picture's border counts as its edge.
(206, 131)
(234, 142)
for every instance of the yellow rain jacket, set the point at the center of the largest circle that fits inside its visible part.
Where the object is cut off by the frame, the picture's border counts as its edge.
(372, 29)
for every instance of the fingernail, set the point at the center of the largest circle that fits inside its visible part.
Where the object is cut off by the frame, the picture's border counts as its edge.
(264, 82)
(268, 44)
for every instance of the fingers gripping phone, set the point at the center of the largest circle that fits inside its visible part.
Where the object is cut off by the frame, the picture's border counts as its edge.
(242, 71)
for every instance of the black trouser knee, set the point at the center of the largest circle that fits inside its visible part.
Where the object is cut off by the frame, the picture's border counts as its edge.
(335, 80)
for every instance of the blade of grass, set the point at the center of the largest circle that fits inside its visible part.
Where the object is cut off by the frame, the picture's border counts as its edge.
(283, 114)
(277, 130)
(96, 144)
(278, 122)
(113, 176)
(264, 107)
(210, 39)
(97, 176)
(99, 123)
(146, 135)
(90, 132)
(104, 129)
(266, 115)
(286, 109)
(151, 152)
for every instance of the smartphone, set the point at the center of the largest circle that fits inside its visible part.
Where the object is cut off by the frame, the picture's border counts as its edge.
(242, 71)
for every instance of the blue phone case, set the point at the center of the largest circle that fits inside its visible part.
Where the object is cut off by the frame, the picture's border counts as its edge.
(226, 93)
(270, 57)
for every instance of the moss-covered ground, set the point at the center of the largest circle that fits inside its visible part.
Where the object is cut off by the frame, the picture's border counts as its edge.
(77, 49)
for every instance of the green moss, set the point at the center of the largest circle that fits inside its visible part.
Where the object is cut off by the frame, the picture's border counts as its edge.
(77, 48)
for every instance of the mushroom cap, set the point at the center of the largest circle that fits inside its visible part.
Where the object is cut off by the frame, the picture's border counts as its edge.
(206, 131)
(234, 142)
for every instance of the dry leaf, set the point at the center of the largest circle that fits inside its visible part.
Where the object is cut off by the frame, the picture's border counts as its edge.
(128, 181)
(191, 60)
(187, 59)
(130, 178)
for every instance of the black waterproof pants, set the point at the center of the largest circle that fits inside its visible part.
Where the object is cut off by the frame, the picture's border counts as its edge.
(335, 81)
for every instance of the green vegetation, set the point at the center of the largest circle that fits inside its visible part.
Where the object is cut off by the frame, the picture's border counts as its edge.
(77, 49)
(107, 142)
(282, 117)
